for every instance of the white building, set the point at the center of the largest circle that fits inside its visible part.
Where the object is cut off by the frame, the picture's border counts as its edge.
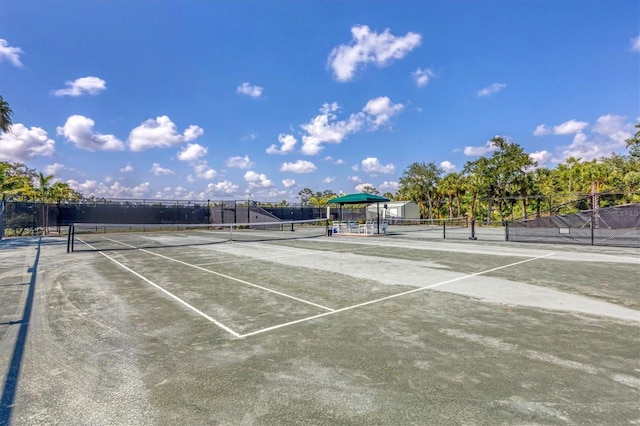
(394, 209)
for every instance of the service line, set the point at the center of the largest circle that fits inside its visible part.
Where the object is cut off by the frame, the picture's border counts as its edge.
(168, 293)
(393, 296)
(226, 276)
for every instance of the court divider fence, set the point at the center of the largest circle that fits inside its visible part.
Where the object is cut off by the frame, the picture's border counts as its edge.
(608, 226)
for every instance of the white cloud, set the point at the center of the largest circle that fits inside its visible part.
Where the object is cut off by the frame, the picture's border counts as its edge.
(373, 166)
(203, 171)
(569, 127)
(583, 148)
(325, 128)
(541, 130)
(224, 187)
(10, 54)
(422, 76)
(478, 151)
(328, 179)
(240, 162)
(257, 180)
(78, 129)
(541, 157)
(288, 183)
(249, 90)
(382, 109)
(614, 127)
(369, 47)
(22, 144)
(287, 144)
(491, 89)
(299, 166)
(85, 85)
(354, 178)
(192, 132)
(608, 135)
(635, 44)
(159, 171)
(53, 169)
(116, 190)
(192, 152)
(361, 186)
(447, 166)
(127, 169)
(160, 132)
(181, 193)
(390, 186)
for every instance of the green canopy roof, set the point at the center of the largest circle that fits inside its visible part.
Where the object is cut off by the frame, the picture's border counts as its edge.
(362, 198)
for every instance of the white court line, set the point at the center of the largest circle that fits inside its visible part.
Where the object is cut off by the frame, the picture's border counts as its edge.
(226, 276)
(359, 305)
(173, 296)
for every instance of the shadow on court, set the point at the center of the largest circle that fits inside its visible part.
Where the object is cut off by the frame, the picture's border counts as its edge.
(13, 375)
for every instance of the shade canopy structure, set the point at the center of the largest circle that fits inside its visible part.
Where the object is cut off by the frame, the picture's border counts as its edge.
(361, 198)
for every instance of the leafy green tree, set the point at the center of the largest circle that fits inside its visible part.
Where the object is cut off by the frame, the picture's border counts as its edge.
(5, 116)
(510, 168)
(419, 184)
(368, 189)
(320, 199)
(61, 192)
(305, 195)
(478, 181)
(16, 181)
(390, 196)
(633, 143)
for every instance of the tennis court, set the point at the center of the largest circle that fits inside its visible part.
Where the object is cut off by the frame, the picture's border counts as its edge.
(302, 328)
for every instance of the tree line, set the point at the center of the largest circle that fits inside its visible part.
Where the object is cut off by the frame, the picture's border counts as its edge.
(509, 182)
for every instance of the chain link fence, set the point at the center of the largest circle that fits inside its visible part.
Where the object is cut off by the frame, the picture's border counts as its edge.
(23, 218)
(607, 226)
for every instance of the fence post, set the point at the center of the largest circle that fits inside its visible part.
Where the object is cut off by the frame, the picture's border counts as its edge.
(473, 229)
(444, 230)
(506, 231)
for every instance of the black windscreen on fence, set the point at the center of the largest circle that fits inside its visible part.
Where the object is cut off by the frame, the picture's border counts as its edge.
(34, 217)
(607, 226)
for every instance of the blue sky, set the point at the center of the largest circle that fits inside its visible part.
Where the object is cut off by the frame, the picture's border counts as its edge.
(235, 99)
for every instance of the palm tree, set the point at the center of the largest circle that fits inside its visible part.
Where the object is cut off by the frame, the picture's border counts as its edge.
(44, 193)
(5, 116)
(597, 174)
(448, 188)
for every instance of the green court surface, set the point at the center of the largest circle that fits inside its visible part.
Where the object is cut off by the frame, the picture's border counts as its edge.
(403, 329)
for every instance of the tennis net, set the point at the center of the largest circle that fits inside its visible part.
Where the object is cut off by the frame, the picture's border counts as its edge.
(408, 225)
(106, 237)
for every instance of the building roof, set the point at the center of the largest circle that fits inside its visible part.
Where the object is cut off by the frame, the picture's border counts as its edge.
(362, 198)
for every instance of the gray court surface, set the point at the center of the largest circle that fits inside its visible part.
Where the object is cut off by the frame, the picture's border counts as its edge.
(395, 330)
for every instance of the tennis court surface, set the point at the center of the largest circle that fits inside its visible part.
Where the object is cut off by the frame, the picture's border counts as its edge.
(190, 328)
